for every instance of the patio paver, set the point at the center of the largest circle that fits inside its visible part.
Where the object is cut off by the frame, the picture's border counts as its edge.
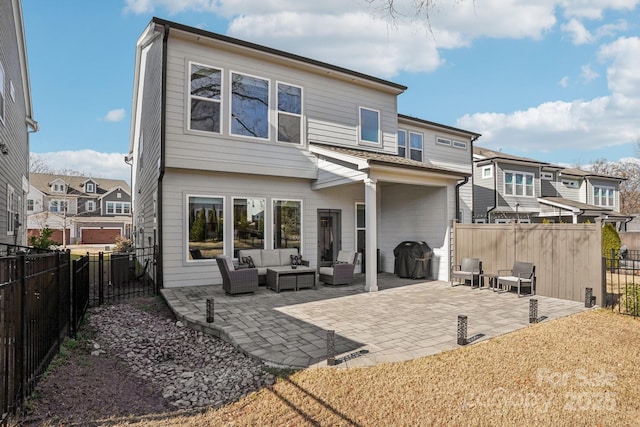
(405, 319)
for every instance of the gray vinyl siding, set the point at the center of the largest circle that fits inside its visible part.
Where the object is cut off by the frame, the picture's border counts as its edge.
(145, 166)
(466, 202)
(570, 192)
(527, 204)
(416, 213)
(484, 195)
(330, 115)
(180, 183)
(13, 131)
(548, 187)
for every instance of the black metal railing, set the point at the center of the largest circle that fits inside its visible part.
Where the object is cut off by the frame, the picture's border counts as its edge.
(81, 284)
(35, 299)
(114, 276)
(621, 284)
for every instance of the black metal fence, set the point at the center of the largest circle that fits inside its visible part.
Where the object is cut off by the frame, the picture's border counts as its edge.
(114, 276)
(35, 301)
(621, 284)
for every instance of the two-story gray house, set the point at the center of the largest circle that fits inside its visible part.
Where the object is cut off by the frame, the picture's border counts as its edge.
(236, 145)
(16, 122)
(510, 188)
(90, 210)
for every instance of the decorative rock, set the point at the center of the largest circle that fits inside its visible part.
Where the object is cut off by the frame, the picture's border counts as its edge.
(192, 369)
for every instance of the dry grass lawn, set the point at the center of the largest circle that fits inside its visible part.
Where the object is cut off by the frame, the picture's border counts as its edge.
(582, 370)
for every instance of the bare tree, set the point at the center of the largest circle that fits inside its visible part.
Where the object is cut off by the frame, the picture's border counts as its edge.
(629, 187)
(38, 164)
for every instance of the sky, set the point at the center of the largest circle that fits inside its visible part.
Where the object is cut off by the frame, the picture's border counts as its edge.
(554, 80)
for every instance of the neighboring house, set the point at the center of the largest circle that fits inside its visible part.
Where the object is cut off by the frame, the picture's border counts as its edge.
(16, 121)
(236, 145)
(509, 188)
(90, 210)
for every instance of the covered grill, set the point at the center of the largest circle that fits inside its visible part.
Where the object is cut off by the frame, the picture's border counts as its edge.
(413, 259)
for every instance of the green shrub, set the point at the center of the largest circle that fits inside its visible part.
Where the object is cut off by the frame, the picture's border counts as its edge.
(632, 299)
(610, 242)
(43, 241)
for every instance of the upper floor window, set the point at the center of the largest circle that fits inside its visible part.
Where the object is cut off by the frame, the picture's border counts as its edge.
(249, 106)
(289, 113)
(91, 206)
(518, 184)
(118, 208)
(11, 210)
(402, 143)
(547, 176)
(415, 146)
(58, 187)
(570, 183)
(369, 125)
(459, 144)
(604, 196)
(206, 97)
(90, 187)
(2, 96)
(58, 206)
(487, 171)
(443, 141)
(30, 203)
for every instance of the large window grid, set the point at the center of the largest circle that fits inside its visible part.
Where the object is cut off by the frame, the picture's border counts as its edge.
(118, 208)
(248, 223)
(205, 98)
(369, 125)
(205, 226)
(58, 206)
(287, 224)
(604, 196)
(289, 113)
(249, 106)
(518, 184)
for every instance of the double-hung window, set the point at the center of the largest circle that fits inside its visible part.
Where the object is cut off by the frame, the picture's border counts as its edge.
(289, 113)
(604, 196)
(57, 206)
(369, 125)
(249, 106)
(415, 146)
(206, 98)
(402, 143)
(518, 184)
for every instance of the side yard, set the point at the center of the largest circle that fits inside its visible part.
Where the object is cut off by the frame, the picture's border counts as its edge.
(579, 370)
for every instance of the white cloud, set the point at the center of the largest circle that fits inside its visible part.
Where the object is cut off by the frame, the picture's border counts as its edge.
(115, 115)
(581, 124)
(91, 163)
(594, 9)
(588, 74)
(578, 33)
(564, 82)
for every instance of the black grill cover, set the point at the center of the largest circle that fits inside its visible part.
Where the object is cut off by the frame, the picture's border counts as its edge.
(406, 254)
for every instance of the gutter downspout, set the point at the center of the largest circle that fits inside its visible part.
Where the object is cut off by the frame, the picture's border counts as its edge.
(473, 181)
(495, 190)
(458, 185)
(161, 167)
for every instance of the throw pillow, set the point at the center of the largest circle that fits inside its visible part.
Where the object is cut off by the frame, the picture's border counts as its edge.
(296, 260)
(249, 261)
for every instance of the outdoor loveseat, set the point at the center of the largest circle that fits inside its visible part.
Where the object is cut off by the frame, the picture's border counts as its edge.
(264, 258)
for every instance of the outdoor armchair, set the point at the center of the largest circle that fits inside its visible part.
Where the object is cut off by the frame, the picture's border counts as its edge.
(234, 281)
(468, 269)
(522, 275)
(341, 273)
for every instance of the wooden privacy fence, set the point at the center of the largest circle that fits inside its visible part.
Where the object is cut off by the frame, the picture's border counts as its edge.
(631, 239)
(568, 257)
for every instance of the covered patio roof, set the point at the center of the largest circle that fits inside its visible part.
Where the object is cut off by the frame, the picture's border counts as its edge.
(574, 208)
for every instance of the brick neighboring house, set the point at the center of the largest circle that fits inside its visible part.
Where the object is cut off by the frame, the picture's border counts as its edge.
(90, 210)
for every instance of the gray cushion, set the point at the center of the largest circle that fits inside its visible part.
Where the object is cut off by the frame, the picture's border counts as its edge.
(285, 255)
(326, 270)
(346, 257)
(255, 254)
(271, 258)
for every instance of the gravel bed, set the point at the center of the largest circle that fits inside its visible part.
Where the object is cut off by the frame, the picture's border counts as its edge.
(191, 369)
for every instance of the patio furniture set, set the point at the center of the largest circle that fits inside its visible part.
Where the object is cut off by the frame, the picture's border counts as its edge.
(281, 269)
(521, 276)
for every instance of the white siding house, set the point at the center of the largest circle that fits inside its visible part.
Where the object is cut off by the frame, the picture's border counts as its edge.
(236, 145)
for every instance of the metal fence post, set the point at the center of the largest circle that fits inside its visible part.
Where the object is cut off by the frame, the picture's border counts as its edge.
(210, 312)
(100, 278)
(20, 383)
(587, 297)
(533, 310)
(331, 348)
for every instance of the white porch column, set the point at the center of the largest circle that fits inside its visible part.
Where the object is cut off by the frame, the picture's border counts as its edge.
(575, 218)
(371, 233)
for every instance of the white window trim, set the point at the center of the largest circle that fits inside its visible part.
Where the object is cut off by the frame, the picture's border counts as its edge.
(269, 112)
(273, 206)
(480, 221)
(570, 183)
(91, 187)
(233, 222)
(189, 96)
(487, 168)
(607, 189)
(547, 176)
(61, 204)
(11, 210)
(115, 205)
(408, 150)
(301, 115)
(3, 96)
(355, 222)
(443, 141)
(524, 186)
(185, 236)
(460, 145)
(12, 91)
(405, 143)
(364, 141)
(91, 205)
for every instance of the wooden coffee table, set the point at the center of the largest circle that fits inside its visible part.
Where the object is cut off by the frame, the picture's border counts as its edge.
(286, 277)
